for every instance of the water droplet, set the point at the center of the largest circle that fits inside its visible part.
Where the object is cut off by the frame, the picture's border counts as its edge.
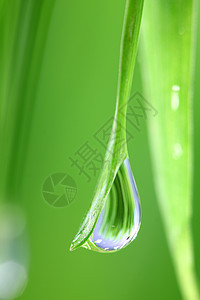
(175, 97)
(119, 221)
(177, 151)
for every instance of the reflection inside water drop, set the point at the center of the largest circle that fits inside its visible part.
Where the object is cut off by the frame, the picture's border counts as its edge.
(119, 221)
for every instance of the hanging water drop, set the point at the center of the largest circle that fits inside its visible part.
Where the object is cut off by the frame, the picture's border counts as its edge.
(119, 221)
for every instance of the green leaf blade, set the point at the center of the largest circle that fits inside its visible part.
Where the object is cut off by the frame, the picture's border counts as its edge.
(168, 59)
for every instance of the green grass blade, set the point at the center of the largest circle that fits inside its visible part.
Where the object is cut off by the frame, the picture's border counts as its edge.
(168, 44)
(117, 148)
(20, 58)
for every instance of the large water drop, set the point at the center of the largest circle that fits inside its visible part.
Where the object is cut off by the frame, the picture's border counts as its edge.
(119, 221)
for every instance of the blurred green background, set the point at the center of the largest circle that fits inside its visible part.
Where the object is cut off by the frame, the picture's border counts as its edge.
(75, 97)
